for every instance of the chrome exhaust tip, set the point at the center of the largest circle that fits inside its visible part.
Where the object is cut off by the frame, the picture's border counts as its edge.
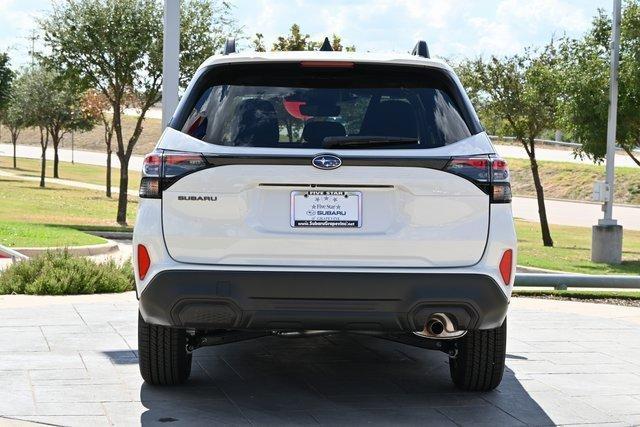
(440, 326)
(435, 327)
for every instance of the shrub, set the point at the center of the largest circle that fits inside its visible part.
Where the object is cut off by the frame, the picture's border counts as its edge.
(59, 273)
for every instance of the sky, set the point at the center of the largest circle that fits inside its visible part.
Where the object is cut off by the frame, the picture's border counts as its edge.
(453, 28)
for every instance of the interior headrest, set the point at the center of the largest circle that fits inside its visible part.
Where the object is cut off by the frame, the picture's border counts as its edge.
(316, 132)
(257, 124)
(390, 118)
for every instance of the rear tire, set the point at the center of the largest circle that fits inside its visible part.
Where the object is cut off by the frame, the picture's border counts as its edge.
(479, 364)
(162, 354)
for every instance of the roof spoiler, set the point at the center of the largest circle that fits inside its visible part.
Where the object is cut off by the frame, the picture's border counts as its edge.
(421, 49)
(230, 46)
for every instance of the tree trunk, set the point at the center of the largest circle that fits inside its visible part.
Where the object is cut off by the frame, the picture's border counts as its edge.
(108, 136)
(124, 185)
(123, 156)
(632, 155)
(542, 210)
(44, 141)
(109, 172)
(56, 160)
(14, 142)
(289, 130)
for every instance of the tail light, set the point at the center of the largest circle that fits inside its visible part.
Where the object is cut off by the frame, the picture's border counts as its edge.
(506, 266)
(160, 170)
(490, 174)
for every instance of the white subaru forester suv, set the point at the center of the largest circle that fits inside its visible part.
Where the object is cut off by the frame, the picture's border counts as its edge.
(307, 193)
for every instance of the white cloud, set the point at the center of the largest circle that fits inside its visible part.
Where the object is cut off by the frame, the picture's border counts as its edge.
(495, 37)
(533, 13)
(434, 13)
(16, 23)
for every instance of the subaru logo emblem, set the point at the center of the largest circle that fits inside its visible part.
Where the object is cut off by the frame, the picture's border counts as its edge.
(326, 161)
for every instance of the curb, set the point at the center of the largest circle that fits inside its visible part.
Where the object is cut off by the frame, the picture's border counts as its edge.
(115, 235)
(524, 269)
(89, 250)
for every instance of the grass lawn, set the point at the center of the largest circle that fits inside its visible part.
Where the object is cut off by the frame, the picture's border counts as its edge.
(71, 171)
(572, 250)
(25, 202)
(564, 180)
(18, 234)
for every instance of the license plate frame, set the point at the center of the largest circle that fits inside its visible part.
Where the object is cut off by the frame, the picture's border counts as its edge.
(308, 207)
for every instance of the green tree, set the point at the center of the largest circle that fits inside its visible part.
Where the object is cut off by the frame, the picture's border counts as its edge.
(585, 71)
(97, 106)
(297, 41)
(336, 44)
(6, 77)
(520, 93)
(294, 41)
(31, 94)
(115, 46)
(66, 113)
(258, 43)
(14, 118)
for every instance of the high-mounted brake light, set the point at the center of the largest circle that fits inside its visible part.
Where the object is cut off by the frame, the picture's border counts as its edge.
(490, 174)
(144, 261)
(326, 64)
(506, 266)
(160, 170)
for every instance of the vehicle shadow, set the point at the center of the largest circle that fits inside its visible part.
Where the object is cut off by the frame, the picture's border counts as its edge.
(338, 379)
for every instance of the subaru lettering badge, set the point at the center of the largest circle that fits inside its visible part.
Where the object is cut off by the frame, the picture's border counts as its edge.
(326, 161)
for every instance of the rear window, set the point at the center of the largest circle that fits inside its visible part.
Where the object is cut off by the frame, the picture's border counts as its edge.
(291, 106)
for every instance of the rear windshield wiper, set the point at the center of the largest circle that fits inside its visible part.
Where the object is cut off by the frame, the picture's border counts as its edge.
(358, 141)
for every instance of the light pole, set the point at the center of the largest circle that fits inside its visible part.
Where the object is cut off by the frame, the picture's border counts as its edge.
(170, 59)
(606, 245)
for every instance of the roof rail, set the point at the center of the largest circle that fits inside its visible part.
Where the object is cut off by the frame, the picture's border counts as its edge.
(230, 46)
(421, 49)
(326, 46)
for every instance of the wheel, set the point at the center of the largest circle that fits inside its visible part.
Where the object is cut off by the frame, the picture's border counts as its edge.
(480, 361)
(162, 354)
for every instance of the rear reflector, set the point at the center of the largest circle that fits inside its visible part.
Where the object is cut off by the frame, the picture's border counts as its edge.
(150, 188)
(144, 262)
(501, 193)
(506, 266)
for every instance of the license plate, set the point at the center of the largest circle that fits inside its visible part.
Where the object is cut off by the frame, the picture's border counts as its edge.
(326, 209)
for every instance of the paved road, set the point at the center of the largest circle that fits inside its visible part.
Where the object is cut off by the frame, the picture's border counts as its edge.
(73, 361)
(557, 155)
(581, 214)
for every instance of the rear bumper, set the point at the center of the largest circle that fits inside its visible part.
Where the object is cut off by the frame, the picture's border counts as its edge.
(312, 300)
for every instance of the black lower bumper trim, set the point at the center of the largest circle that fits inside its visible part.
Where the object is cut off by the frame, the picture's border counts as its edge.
(285, 300)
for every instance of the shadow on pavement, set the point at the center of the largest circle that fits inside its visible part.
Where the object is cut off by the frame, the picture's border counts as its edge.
(339, 379)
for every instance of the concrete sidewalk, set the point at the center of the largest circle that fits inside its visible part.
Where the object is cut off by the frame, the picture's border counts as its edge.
(73, 361)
